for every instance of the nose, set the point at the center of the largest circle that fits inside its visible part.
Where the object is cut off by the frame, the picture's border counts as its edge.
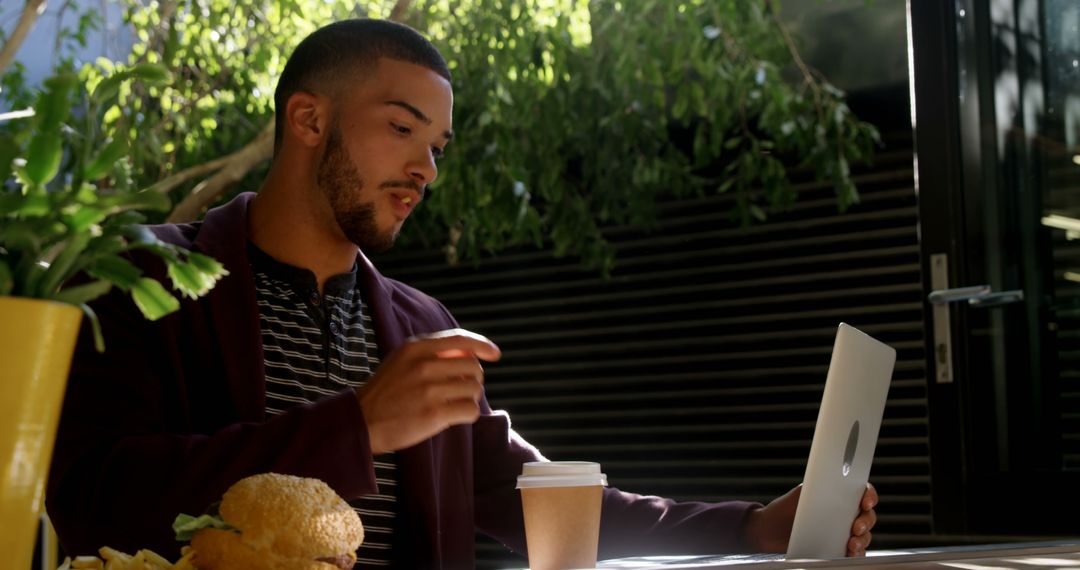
(423, 170)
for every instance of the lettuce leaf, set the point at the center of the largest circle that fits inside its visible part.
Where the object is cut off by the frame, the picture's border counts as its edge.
(185, 525)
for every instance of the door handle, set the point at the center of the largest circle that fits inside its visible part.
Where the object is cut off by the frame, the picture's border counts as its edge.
(977, 296)
(995, 299)
(940, 296)
(943, 296)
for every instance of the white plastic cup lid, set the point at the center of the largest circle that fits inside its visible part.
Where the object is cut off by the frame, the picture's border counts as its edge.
(560, 474)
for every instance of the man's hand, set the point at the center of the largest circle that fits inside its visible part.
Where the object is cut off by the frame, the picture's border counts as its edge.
(768, 528)
(860, 529)
(427, 385)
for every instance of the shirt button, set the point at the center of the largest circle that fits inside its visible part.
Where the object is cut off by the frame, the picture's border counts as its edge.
(315, 298)
(333, 327)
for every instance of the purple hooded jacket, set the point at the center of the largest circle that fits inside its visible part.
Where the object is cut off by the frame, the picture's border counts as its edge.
(172, 414)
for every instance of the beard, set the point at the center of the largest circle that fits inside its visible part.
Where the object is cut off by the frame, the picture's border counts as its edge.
(341, 183)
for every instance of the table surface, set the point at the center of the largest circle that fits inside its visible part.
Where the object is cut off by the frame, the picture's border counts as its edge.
(1029, 556)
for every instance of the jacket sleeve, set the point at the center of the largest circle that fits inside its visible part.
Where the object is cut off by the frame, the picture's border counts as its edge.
(145, 436)
(630, 525)
(637, 525)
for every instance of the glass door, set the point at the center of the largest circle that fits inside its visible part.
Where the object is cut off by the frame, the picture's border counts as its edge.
(996, 120)
(1060, 161)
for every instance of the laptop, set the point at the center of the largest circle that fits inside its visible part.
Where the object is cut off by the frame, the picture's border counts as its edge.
(843, 447)
(840, 456)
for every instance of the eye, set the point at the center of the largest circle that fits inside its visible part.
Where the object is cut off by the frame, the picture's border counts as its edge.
(437, 152)
(401, 129)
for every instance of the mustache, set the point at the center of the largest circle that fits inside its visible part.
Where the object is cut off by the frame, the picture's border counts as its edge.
(408, 184)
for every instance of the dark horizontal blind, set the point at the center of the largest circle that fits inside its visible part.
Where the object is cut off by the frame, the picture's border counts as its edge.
(696, 371)
(1063, 185)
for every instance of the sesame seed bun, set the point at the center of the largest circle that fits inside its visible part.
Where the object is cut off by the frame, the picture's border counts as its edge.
(284, 522)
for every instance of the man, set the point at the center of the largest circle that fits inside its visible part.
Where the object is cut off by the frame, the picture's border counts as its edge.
(306, 361)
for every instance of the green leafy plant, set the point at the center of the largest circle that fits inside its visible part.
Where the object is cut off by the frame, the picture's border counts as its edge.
(69, 207)
(571, 114)
(577, 114)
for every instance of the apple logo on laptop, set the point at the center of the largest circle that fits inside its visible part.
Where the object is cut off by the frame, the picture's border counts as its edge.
(852, 444)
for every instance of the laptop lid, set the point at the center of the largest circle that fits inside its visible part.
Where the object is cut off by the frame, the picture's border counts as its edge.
(842, 450)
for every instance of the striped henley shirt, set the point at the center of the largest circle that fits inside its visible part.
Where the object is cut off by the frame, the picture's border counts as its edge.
(315, 345)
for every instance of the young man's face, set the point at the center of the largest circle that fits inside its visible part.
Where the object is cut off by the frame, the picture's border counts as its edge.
(382, 148)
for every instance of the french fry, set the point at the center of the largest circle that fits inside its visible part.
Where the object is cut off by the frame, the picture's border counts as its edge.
(112, 559)
(88, 563)
(186, 561)
(135, 562)
(155, 559)
(111, 554)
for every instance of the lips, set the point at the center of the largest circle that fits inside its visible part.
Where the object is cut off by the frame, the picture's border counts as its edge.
(404, 201)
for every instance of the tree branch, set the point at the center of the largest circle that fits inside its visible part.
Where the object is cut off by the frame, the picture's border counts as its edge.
(30, 13)
(234, 168)
(398, 13)
(170, 183)
(60, 25)
(808, 76)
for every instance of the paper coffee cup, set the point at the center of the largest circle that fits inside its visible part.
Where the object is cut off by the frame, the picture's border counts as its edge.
(561, 501)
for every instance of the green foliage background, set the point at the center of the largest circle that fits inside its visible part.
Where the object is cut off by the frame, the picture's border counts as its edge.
(569, 113)
(68, 207)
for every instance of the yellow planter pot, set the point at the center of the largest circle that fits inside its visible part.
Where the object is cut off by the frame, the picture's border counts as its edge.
(37, 339)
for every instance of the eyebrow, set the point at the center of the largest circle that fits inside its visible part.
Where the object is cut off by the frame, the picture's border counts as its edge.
(449, 135)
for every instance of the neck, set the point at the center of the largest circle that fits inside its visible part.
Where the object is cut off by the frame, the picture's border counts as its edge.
(292, 226)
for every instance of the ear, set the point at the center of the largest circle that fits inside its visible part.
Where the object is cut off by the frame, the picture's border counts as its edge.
(307, 118)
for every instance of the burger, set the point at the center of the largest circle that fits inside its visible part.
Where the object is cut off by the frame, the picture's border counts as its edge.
(275, 522)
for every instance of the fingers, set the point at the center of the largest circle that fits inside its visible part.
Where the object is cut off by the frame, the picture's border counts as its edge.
(440, 368)
(863, 523)
(454, 389)
(428, 384)
(450, 333)
(458, 412)
(455, 343)
(870, 498)
(860, 529)
(857, 545)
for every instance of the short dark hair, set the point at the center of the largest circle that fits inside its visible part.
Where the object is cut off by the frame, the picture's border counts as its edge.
(342, 49)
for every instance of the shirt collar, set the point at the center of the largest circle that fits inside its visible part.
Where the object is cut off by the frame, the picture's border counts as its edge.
(301, 279)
